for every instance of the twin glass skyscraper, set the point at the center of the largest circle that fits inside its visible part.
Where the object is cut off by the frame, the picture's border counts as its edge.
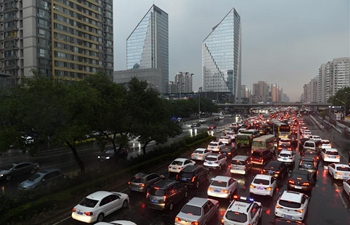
(221, 57)
(148, 45)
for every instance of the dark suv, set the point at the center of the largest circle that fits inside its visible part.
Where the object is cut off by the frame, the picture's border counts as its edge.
(276, 169)
(261, 156)
(193, 176)
(108, 154)
(165, 194)
(301, 180)
(308, 164)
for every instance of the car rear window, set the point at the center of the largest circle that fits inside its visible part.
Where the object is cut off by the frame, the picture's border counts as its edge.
(237, 162)
(332, 153)
(290, 204)
(256, 154)
(87, 202)
(236, 216)
(285, 154)
(325, 142)
(340, 168)
(309, 144)
(187, 174)
(306, 165)
(136, 179)
(156, 191)
(191, 210)
(211, 158)
(178, 163)
(261, 181)
(199, 151)
(219, 183)
(213, 144)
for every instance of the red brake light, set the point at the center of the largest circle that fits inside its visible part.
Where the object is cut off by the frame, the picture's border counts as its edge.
(129, 182)
(193, 178)
(142, 185)
(74, 210)
(194, 223)
(88, 213)
(177, 219)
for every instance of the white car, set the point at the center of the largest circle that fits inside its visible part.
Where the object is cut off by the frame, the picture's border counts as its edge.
(339, 171)
(326, 144)
(242, 211)
(200, 154)
(346, 186)
(178, 164)
(98, 205)
(286, 156)
(307, 133)
(215, 146)
(197, 211)
(330, 155)
(315, 138)
(226, 140)
(215, 161)
(117, 222)
(222, 187)
(292, 205)
(263, 185)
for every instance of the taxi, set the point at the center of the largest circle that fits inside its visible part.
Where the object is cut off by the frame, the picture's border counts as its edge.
(242, 211)
(339, 171)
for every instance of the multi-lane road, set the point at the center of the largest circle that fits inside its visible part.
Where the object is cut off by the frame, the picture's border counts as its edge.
(329, 205)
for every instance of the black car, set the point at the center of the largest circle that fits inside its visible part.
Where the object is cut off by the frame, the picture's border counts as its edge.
(108, 154)
(193, 176)
(301, 180)
(308, 164)
(165, 194)
(311, 154)
(229, 151)
(17, 169)
(276, 169)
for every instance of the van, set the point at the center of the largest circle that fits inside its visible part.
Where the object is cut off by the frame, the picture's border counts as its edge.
(314, 145)
(264, 142)
(261, 156)
(240, 164)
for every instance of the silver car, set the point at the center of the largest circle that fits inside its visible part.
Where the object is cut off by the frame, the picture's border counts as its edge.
(197, 211)
(17, 169)
(41, 178)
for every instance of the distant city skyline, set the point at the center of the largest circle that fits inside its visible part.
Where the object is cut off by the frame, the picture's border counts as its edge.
(283, 41)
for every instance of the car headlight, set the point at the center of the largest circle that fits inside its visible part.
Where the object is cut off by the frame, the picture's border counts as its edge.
(1, 175)
(107, 157)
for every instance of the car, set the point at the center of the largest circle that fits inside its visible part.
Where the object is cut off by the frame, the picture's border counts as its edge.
(242, 211)
(311, 145)
(282, 221)
(346, 186)
(117, 222)
(308, 164)
(141, 181)
(98, 205)
(18, 169)
(200, 154)
(301, 180)
(215, 161)
(315, 137)
(229, 151)
(196, 124)
(276, 169)
(193, 176)
(339, 171)
(215, 146)
(222, 187)
(202, 120)
(227, 140)
(178, 164)
(292, 205)
(41, 178)
(261, 156)
(197, 211)
(108, 154)
(284, 143)
(286, 156)
(330, 155)
(240, 164)
(326, 144)
(211, 127)
(311, 154)
(28, 139)
(165, 194)
(263, 185)
(307, 133)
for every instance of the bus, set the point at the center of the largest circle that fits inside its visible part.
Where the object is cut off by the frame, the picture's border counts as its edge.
(244, 140)
(281, 129)
(264, 142)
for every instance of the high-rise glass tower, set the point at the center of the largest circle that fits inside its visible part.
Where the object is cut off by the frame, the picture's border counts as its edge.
(221, 57)
(67, 40)
(148, 44)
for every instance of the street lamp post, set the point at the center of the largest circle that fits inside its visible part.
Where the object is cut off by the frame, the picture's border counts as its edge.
(199, 105)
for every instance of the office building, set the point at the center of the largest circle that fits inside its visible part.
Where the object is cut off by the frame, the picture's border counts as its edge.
(221, 57)
(183, 80)
(64, 39)
(260, 92)
(147, 47)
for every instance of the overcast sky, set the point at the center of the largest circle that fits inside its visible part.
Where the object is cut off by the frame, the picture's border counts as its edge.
(283, 41)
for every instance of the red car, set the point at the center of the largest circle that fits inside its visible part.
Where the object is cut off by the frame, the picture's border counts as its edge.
(212, 127)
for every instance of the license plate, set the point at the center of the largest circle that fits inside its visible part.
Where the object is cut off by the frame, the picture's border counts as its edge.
(183, 178)
(154, 200)
(284, 158)
(174, 168)
(80, 213)
(331, 157)
(217, 191)
(298, 187)
(134, 189)
(260, 188)
(287, 216)
(210, 163)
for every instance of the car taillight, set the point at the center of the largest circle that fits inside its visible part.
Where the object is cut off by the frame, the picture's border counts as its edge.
(291, 181)
(177, 176)
(194, 223)
(299, 210)
(337, 156)
(147, 194)
(177, 219)
(129, 182)
(74, 210)
(306, 183)
(88, 213)
(224, 191)
(222, 221)
(210, 189)
(269, 188)
(326, 155)
(252, 186)
(180, 168)
(142, 185)
(278, 206)
(192, 154)
(193, 178)
(277, 172)
(164, 198)
(338, 173)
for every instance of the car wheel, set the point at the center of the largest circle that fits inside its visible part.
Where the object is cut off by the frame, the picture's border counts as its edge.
(100, 217)
(125, 204)
(8, 177)
(171, 206)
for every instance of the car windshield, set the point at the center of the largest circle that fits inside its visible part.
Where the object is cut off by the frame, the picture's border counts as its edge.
(236, 216)
(290, 204)
(177, 163)
(343, 168)
(34, 177)
(136, 179)
(109, 151)
(219, 183)
(191, 210)
(88, 203)
(261, 181)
